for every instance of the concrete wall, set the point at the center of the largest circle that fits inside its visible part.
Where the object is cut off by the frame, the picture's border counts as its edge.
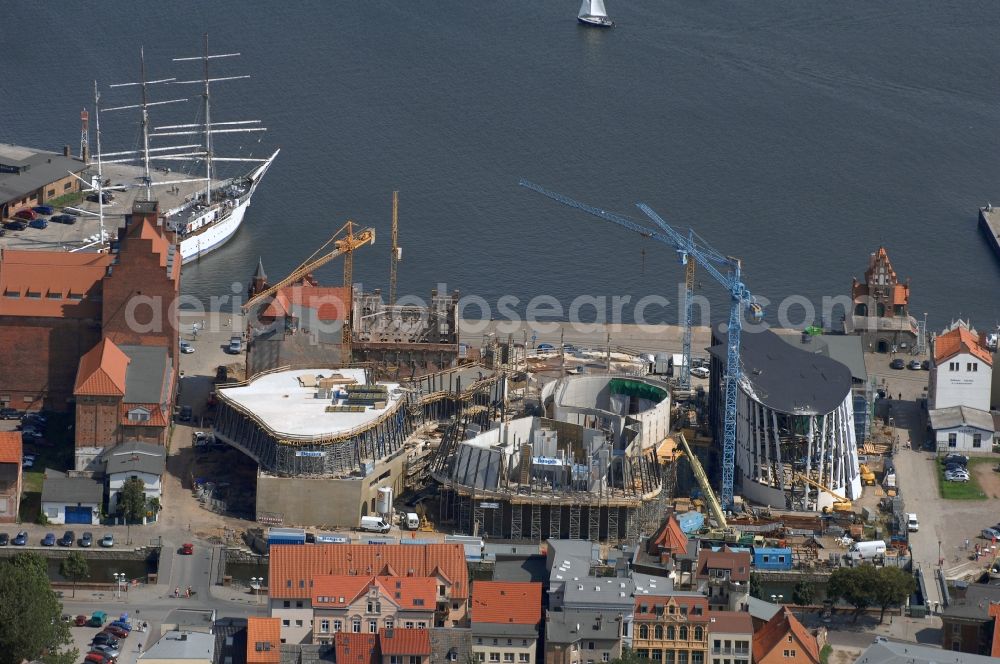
(327, 502)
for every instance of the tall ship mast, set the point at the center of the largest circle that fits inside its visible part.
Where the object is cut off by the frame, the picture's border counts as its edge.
(208, 218)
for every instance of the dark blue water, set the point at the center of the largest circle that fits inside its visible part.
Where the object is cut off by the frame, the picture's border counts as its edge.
(798, 136)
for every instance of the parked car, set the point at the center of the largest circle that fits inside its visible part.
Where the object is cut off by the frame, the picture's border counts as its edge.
(117, 632)
(87, 540)
(92, 197)
(114, 651)
(38, 223)
(187, 549)
(956, 477)
(68, 538)
(121, 624)
(926, 365)
(186, 347)
(991, 533)
(43, 209)
(21, 538)
(95, 657)
(10, 414)
(956, 458)
(699, 372)
(912, 525)
(4, 539)
(914, 365)
(80, 621)
(185, 414)
(16, 225)
(108, 541)
(235, 345)
(26, 213)
(49, 539)
(27, 463)
(67, 219)
(34, 417)
(898, 363)
(104, 639)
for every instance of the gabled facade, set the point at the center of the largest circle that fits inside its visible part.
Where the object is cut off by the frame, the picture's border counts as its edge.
(668, 541)
(962, 371)
(784, 640)
(134, 459)
(506, 617)
(369, 604)
(405, 646)
(575, 636)
(881, 312)
(724, 577)
(263, 640)
(672, 626)
(731, 637)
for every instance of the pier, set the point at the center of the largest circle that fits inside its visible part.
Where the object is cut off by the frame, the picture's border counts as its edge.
(989, 221)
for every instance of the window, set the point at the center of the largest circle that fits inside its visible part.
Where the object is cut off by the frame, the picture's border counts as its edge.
(373, 627)
(389, 622)
(67, 186)
(508, 657)
(524, 642)
(480, 657)
(682, 657)
(523, 657)
(418, 601)
(699, 633)
(52, 193)
(643, 653)
(972, 366)
(668, 657)
(684, 633)
(785, 653)
(697, 657)
(138, 415)
(605, 657)
(356, 625)
(396, 659)
(671, 633)
(977, 440)
(324, 626)
(337, 625)
(287, 604)
(510, 642)
(414, 659)
(298, 605)
(590, 645)
(494, 657)
(298, 623)
(452, 656)
(953, 366)
(643, 631)
(657, 655)
(286, 623)
(952, 440)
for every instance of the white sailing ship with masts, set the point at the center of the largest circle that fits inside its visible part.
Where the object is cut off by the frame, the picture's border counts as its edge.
(206, 220)
(593, 12)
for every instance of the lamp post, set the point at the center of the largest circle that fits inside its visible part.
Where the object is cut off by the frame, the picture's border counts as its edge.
(255, 582)
(119, 582)
(776, 599)
(940, 559)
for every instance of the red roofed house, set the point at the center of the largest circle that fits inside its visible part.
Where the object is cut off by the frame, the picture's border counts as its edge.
(369, 603)
(10, 475)
(297, 574)
(730, 634)
(123, 393)
(55, 306)
(881, 312)
(675, 624)
(668, 541)
(263, 640)
(356, 648)
(962, 371)
(506, 617)
(784, 640)
(724, 577)
(404, 646)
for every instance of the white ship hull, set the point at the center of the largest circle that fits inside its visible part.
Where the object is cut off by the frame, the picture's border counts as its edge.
(210, 235)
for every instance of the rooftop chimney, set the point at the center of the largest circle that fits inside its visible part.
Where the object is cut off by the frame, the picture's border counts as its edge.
(66, 152)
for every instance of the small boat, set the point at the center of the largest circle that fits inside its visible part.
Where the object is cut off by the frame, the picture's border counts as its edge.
(592, 12)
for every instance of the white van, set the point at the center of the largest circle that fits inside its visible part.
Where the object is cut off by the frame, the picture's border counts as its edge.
(867, 550)
(373, 524)
(412, 521)
(912, 524)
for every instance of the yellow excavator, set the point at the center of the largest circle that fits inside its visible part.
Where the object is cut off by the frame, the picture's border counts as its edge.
(867, 476)
(841, 504)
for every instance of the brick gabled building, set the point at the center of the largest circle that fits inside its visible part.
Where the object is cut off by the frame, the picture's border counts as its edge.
(668, 541)
(11, 451)
(370, 603)
(55, 306)
(724, 577)
(784, 640)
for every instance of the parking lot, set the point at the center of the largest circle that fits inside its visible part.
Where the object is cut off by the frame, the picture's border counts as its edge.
(129, 646)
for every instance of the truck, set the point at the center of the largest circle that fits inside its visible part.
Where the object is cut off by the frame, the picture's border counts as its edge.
(867, 550)
(373, 524)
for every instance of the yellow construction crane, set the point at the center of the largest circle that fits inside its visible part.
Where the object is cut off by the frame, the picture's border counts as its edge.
(706, 488)
(341, 246)
(842, 504)
(397, 251)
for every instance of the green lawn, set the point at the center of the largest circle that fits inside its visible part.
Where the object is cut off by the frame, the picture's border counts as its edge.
(962, 490)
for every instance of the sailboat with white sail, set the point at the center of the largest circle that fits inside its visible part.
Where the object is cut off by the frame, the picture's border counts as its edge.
(593, 12)
(205, 221)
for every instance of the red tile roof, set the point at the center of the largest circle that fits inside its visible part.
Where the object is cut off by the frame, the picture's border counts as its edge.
(777, 629)
(650, 607)
(338, 591)
(351, 648)
(156, 416)
(292, 568)
(51, 284)
(102, 371)
(731, 622)
(263, 640)
(507, 602)
(328, 301)
(410, 592)
(399, 641)
(994, 611)
(668, 539)
(10, 447)
(737, 562)
(957, 341)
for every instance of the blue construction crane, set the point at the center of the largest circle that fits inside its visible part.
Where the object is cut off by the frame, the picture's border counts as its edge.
(693, 247)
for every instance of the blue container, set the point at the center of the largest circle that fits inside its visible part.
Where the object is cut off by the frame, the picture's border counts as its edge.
(772, 558)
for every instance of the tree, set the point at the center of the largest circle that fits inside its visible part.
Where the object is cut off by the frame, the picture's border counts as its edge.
(854, 585)
(629, 657)
(30, 614)
(75, 568)
(893, 587)
(132, 503)
(804, 593)
(755, 589)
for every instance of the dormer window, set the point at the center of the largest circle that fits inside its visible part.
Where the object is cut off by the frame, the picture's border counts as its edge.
(138, 415)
